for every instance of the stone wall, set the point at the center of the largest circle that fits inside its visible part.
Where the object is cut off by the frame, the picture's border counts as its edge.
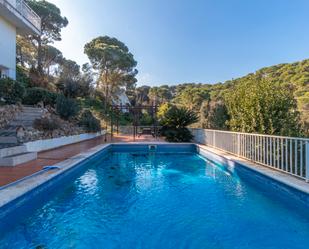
(65, 129)
(8, 113)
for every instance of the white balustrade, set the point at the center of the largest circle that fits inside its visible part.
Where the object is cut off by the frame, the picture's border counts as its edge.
(287, 154)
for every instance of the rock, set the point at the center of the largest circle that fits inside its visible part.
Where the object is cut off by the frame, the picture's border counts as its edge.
(20, 133)
(8, 113)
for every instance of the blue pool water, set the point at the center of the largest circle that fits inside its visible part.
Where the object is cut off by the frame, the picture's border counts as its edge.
(142, 200)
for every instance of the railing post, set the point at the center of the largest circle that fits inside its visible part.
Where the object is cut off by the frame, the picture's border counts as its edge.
(307, 161)
(203, 136)
(238, 144)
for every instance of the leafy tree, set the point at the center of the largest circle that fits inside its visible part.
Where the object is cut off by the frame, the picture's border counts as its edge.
(73, 82)
(22, 76)
(115, 64)
(160, 94)
(11, 91)
(68, 69)
(87, 80)
(214, 115)
(36, 95)
(262, 106)
(188, 95)
(141, 96)
(146, 119)
(89, 122)
(51, 25)
(175, 122)
(51, 56)
(162, 110)
(67, 108)
(26, 52)
(192, 97)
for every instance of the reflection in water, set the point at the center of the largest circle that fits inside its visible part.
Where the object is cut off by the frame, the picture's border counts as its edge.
(131, 200)
(215, 172)
(88, 182)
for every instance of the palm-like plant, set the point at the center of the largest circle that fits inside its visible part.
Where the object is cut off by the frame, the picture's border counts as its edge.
(175, 122)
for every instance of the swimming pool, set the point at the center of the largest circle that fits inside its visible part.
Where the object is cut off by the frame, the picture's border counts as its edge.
(130, 197)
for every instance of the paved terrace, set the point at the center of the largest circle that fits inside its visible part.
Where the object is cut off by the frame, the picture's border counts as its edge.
(54, 156)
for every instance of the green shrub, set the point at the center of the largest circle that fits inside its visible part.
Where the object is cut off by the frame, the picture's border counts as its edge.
(125, 118)
(66, 108)
(146, 119)
(37, 94)
(178, 135)
(93, 103)
(46, 124)
(11, 91)
(175, 122)
(22, 76)
(89, 122)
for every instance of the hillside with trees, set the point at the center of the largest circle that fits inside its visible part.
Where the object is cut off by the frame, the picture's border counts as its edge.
(246, 104)
(273, 100)
(80, 95)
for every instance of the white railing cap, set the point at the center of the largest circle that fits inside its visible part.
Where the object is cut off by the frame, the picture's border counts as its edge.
(254, 134)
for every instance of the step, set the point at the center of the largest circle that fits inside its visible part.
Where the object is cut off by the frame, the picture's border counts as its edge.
(7, 133)
(29, 115)
(26, 123)
(10, 128)
(8, 140)
(26, 118)
(4, 146)
(31, 109)
(31, 112)
(18, 159)
(13, 151)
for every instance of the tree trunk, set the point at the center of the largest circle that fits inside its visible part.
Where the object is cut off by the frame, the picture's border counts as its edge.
(40, 54)
(106, 91)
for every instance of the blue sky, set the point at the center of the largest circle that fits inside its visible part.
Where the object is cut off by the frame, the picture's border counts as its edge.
(177, 41)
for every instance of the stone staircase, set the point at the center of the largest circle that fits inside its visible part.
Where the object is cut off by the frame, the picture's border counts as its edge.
(12, 152)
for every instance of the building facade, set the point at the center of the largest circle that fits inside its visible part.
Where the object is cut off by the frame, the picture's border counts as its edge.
(16, 17)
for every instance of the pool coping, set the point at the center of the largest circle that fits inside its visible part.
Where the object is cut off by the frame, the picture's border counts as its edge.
(15, 190)
(278, 176)
(20, 188)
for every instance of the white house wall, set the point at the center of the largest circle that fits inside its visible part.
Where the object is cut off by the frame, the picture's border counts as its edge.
(8, 47)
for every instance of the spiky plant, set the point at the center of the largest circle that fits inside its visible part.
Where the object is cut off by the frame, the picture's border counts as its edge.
(175, 122)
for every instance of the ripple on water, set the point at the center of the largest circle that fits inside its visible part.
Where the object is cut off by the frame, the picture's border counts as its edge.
(159, 201)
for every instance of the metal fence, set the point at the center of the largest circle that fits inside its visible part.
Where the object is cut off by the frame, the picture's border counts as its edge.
(20, 7)
(28, 13)
(287, 154)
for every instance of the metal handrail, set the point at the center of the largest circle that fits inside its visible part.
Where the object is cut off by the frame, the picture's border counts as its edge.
(261, 135)
(25, 11)
(286, 154)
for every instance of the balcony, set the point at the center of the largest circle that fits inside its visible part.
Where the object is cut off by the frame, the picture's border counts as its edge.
(18, 13)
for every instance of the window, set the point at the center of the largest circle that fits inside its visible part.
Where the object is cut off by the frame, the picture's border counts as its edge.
(4, 72)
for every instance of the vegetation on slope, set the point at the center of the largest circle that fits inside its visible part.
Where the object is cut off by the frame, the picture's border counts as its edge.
(273, 100)
(288, 88)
